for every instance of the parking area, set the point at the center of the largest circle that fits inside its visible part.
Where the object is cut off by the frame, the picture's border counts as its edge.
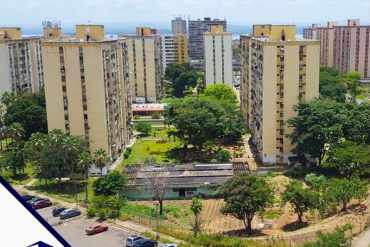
(73, 231)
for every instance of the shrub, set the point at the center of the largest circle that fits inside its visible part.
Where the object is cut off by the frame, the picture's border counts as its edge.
(127, 152)
(222, 155)
(91, 212)
(102, 214)
(314, 180)
(144, 128)
(297, 172)
(156, 116)
(111, 184)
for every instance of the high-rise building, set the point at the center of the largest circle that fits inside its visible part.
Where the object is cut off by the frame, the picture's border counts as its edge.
(277, 71)
(326, 37)
(351, 48)
(196, 30)
(178, 26)
(218, 56)
(20, 62)
(145, 63)
(175, 49)
(87, 88)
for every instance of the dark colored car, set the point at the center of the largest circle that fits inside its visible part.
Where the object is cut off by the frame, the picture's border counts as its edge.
(69, 213)
(45, 202)
(27, 197)
(145, 243)
(35, 199)
(96, 228)
(58, 210)
(130, 241)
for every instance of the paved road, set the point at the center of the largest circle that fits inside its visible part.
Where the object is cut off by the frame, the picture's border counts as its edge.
(362, 240)
(73, 231)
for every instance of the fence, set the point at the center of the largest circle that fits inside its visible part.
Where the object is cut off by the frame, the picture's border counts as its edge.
(152, 222)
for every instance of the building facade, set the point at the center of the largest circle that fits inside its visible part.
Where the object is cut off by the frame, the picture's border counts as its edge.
(218, 56)
(277, 71)
(197, 28)
(87, 88)
(20, 62)
(145, 63)
(174, 49)
(178, 26)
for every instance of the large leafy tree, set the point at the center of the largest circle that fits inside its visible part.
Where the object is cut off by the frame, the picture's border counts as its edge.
(317, 126)
(112, 184)
(182, 78)
(15, 131)
(351, 79)
(357, 127)
(27, 109)
(302, 199)
(245, 196)
(144, 128)
(220, 92)
(331, 86)
(349, 159)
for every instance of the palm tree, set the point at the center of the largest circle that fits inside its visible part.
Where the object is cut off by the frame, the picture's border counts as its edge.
(84, 162)
(8, 98)
(15, 131)
(101, 158)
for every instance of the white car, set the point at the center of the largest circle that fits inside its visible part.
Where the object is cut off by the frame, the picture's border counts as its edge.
(169, 245)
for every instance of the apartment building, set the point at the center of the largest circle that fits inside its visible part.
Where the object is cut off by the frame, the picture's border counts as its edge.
(87, 88)
(20, 61)
(178, 26)
(174, 49)
(145, 63)
(277, 71)
(326, 37)
(197, 28)
(351, 48)
(218, 56)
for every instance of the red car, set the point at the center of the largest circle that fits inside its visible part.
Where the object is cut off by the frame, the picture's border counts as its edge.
(42, 203)
(96, 228)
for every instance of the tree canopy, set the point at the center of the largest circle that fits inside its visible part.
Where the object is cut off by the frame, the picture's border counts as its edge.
(112, 184)
(246, 195)
(331, 86)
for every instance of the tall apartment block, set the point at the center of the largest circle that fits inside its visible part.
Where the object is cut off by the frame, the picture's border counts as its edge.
(145, 63)
(218, 56)
(178, 26)
(277, 71)
(20, 62)
(87, 88)
(175, 49)
(326, 37)
(351, 48)
(197, 28)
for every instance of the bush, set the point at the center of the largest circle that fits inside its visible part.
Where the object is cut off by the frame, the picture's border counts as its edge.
(297, 172)
(127, 152)
(91, 212)
(314, 180)
(102, 214)
(156, 116)
(222, 155)
(111, 184)
(144, 128)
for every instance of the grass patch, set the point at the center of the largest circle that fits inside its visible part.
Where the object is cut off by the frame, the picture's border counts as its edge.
(150, 235)
(19, 178)
(66, 191)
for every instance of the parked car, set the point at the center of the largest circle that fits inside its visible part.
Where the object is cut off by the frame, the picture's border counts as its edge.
(27, 197)
(43, 203)
(58, 210)
(35, 199)
(169, 245)
(145, 243)
(130, 241)
(69, 213)
(96, 228)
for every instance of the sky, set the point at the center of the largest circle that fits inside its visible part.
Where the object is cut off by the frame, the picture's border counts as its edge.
(237, 12)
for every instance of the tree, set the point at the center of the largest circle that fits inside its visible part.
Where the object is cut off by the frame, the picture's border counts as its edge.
(246, 195)
(357, 126)
(30, 111)
(302, 199)
(330, 85)
(351, 79)
(13, 159)
(15, 131)
(144, 128)
(101, 159)
(112, 184)
(317, 126)
(8, 98)
(223, 155)
(182, 78)
(157, 182)
(196, 207)
(221, 92)
(85, 162)
(349, 159)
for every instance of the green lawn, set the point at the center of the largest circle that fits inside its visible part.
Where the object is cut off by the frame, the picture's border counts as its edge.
(66, 192)
(157, 145)
(19, 178)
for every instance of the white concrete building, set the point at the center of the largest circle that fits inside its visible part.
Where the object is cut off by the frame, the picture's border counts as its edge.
(218, 56)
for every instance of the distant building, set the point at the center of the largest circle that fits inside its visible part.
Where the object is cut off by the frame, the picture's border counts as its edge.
(87, 88)
(178, 26)
(145, 63)
(218, 56)
(277, 71)
(175, 49)
(197, 29)
(345, 48)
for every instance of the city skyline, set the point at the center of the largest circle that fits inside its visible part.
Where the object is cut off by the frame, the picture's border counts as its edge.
(237, 12)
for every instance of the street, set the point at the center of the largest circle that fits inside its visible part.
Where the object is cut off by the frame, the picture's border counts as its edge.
(73, 231)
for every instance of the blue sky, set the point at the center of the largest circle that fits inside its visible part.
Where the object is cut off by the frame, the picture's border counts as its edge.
(239, 12)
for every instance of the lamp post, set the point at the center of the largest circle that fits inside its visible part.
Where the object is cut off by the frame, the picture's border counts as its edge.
(157, 220)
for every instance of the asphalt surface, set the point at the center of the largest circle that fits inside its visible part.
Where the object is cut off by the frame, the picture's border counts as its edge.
(73, 231)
